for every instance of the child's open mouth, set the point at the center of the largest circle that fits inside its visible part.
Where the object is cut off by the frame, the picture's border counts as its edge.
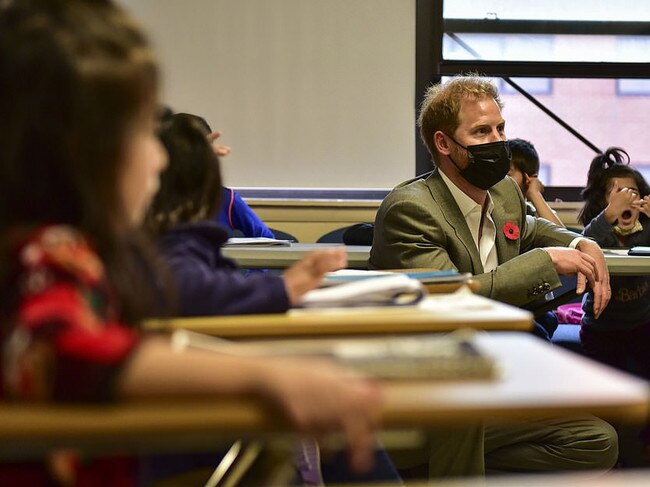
(627, 214)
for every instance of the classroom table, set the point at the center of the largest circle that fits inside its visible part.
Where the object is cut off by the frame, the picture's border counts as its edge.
(616, 478)
(621, 264)
(535, 378)
(281, 257)
(436, 313)
(618, 262)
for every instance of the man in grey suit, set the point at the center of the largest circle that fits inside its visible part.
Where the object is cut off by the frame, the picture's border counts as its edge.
(467, 215)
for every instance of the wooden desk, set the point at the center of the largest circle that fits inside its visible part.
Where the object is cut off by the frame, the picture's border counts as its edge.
(282, 257)
(278, 257)
(621, 264)
(437, 313)
(617, 478)
(536, 378)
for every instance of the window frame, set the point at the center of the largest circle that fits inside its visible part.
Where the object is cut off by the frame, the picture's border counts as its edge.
(430, 65)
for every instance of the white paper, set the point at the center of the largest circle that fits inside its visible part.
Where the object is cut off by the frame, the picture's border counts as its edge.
(256, 242)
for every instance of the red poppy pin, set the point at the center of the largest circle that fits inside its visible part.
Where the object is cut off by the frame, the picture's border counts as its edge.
(511, 231)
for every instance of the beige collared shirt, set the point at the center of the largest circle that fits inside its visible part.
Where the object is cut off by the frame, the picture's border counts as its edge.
(471, 211)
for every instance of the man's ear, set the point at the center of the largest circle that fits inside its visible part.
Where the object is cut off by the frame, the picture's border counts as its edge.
(442, 143)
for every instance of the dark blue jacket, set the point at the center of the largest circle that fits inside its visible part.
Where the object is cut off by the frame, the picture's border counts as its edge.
(630, 303)
(211, 284)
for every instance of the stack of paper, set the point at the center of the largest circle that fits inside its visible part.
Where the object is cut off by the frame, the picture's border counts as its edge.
(256, 242)
(394, 289)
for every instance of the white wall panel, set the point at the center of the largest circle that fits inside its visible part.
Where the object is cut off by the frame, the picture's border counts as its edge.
(309, 93)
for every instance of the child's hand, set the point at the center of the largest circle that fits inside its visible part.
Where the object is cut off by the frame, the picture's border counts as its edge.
(534, 185)
(320, 398)
(220, 150)
(620, 200)
(307, 273)
(644, 206)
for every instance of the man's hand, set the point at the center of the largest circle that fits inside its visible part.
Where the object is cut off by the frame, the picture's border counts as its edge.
(600, 287)
(571, 262)
(587, 262)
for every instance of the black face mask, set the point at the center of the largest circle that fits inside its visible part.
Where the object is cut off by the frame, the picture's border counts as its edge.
(488, 163)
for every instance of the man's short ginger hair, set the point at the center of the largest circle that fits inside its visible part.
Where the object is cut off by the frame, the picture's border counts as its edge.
(439, 110)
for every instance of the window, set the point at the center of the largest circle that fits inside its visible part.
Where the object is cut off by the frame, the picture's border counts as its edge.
(491, 47)
(617, 10)
(574, 60)
(544, 173)
(534, 86)
(590, 106)
(644, 169)
(633, 87)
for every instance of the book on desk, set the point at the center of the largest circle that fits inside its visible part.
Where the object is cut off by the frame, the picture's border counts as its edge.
(450, 356)
(639, 250)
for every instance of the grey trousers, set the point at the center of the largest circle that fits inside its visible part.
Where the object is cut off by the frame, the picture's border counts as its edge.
(522, 445)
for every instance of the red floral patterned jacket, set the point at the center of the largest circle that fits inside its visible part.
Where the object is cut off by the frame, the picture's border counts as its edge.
(64, 339)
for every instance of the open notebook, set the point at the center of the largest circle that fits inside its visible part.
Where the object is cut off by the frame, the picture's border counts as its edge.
(451, 356)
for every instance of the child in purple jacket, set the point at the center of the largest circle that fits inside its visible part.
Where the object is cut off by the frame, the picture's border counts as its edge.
(183, 217)
(235, 216)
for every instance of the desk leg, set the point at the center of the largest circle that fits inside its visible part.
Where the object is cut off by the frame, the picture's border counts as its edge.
(257, 462)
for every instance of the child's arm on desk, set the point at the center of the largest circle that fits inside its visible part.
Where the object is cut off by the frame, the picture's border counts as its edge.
(317, 397)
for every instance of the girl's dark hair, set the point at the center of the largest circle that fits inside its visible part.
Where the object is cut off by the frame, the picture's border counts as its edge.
(613, 163)
(524, 156)
(190, 187)
(75, 76)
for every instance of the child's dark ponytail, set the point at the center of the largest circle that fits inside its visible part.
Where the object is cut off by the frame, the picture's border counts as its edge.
(614, 156)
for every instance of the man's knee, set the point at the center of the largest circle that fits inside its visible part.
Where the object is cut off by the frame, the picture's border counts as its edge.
(593, 443)
(605, 445)
(556, 443)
